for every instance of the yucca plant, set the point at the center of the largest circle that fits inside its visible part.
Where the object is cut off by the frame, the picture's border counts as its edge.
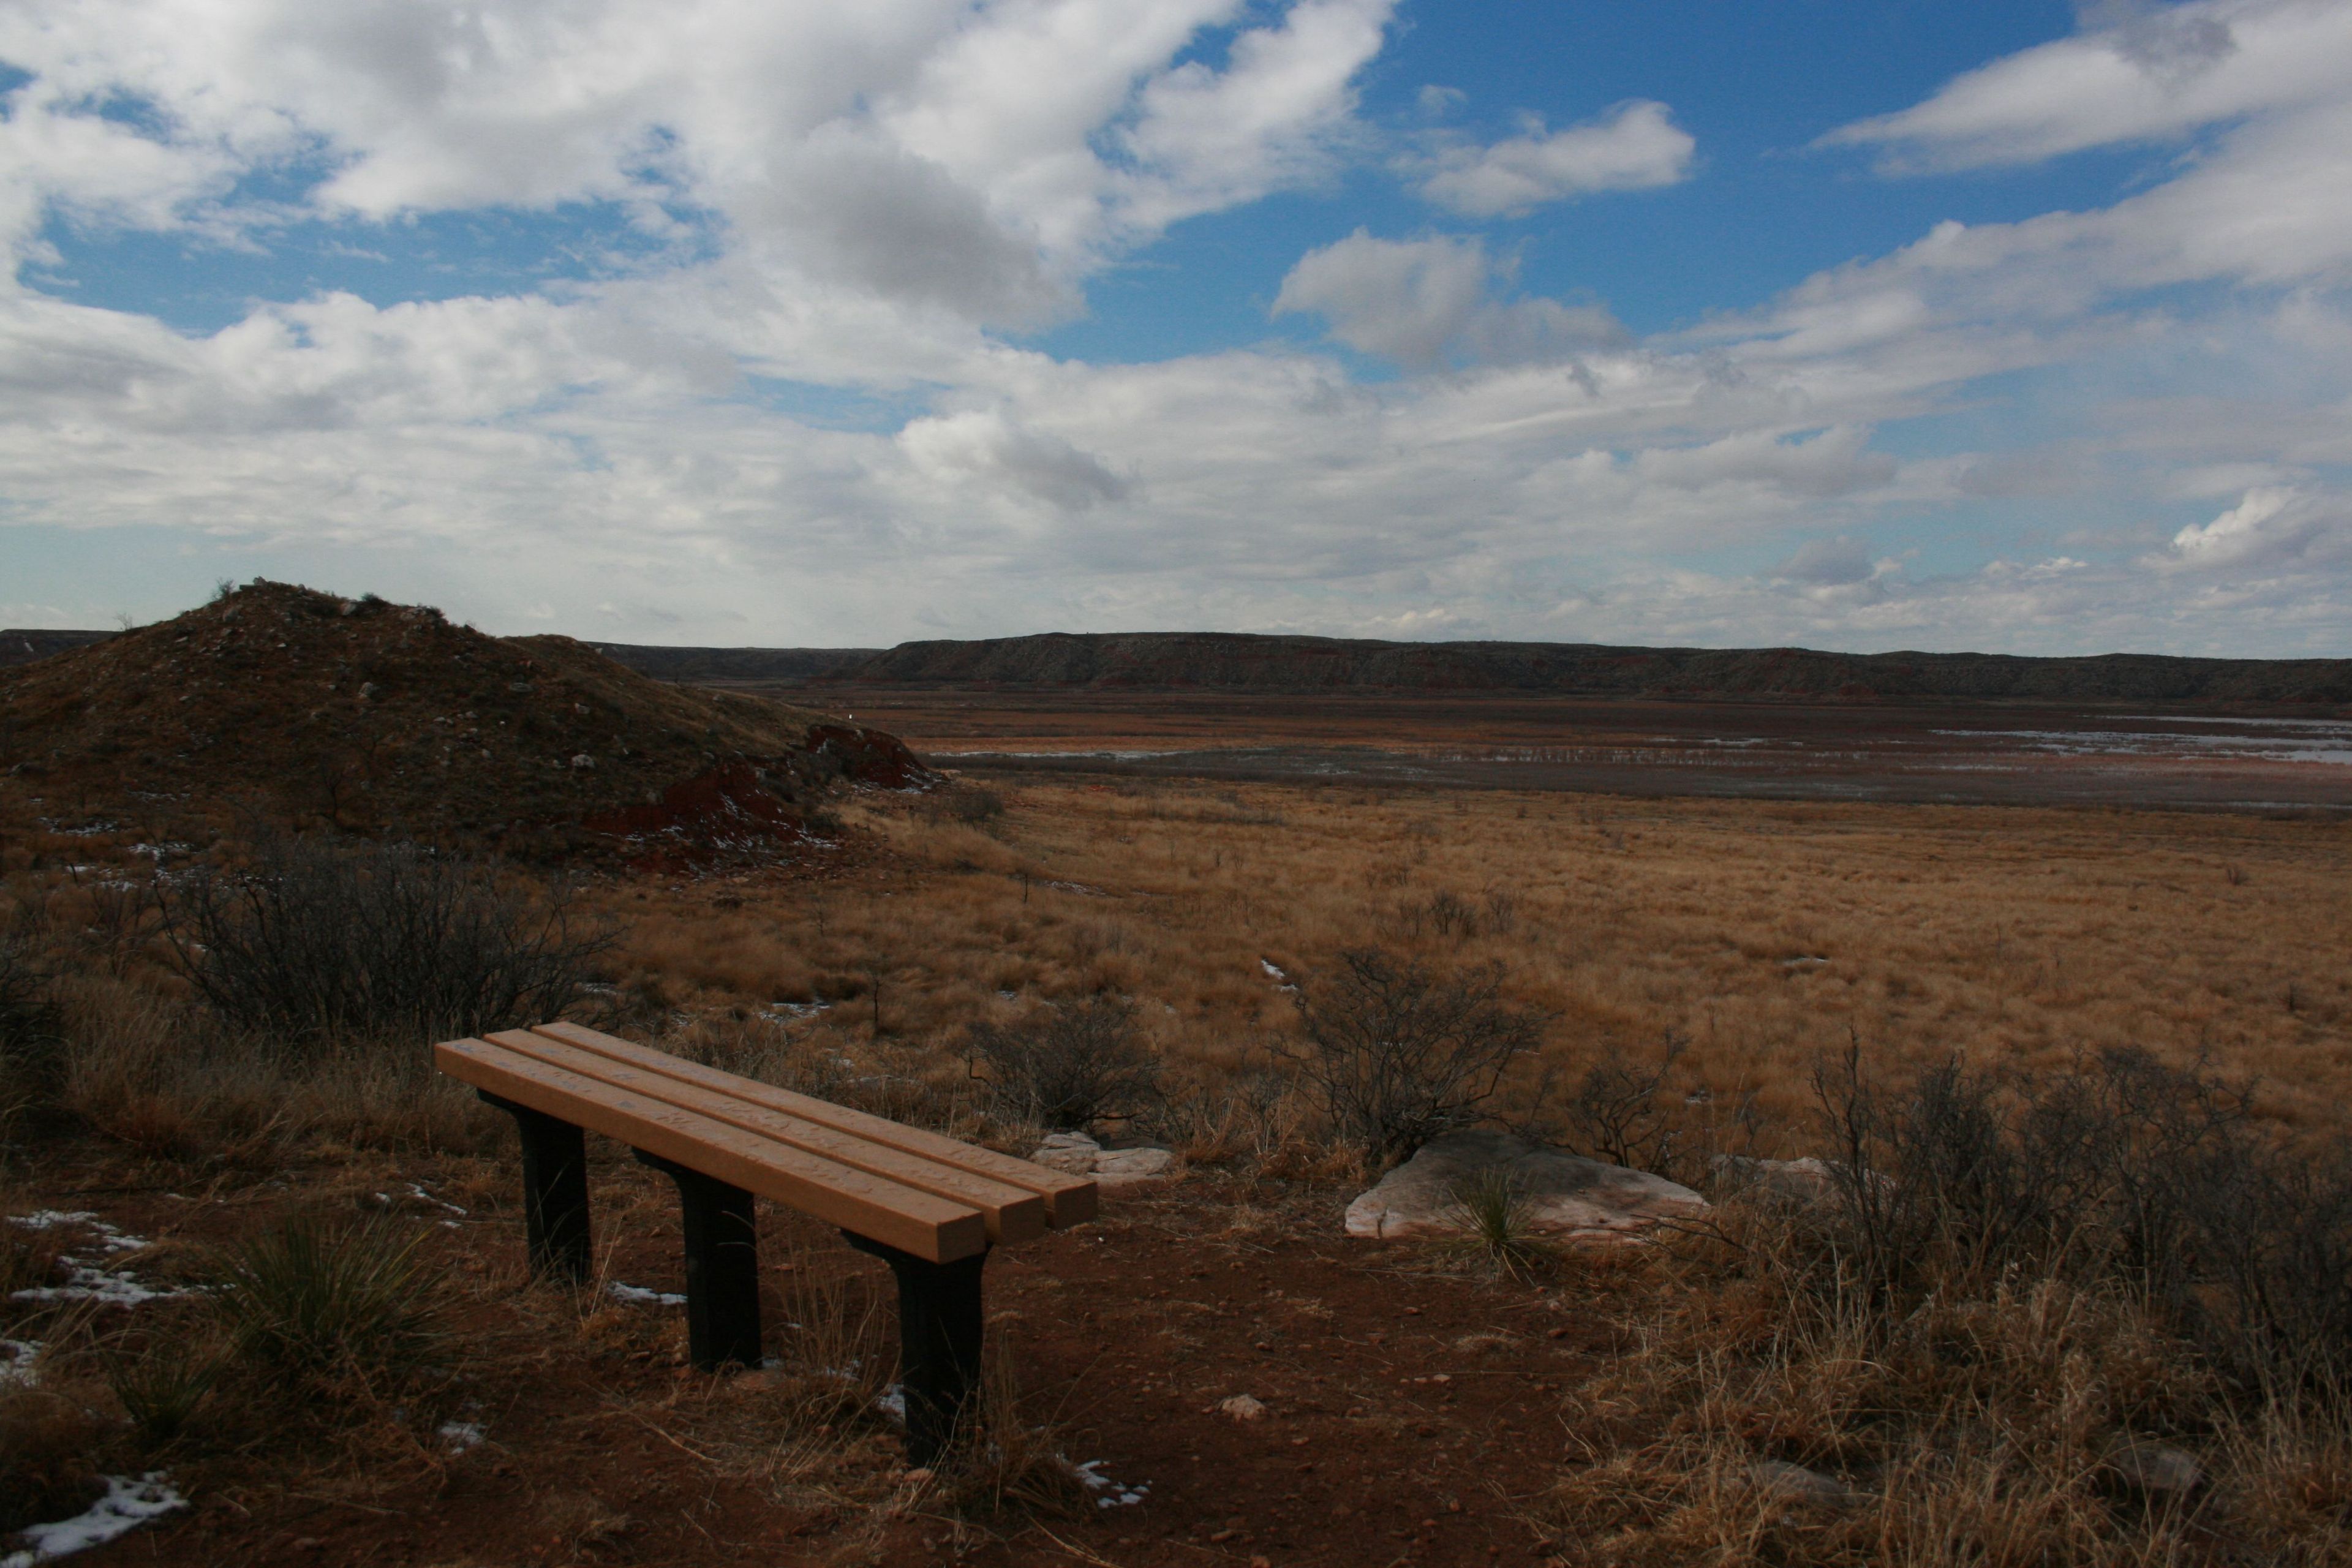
(318, 1298)
(163, 1382)
(1491, 1212)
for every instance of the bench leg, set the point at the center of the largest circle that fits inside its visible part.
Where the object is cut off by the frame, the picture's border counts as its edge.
(938, 1342)
(722, 1267)
(554, 1190)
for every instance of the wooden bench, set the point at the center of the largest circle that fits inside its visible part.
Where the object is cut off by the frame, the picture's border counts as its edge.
(930, 1207)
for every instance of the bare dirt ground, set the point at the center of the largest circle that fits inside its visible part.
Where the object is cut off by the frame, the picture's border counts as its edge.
(1406, 1408)
(1976, 754)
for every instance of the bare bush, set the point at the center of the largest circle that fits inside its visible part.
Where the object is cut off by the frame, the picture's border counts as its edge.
(1068, 1064)
(1398, 1055)
(318, 943)
(1620, 1113)
(2124, 1173)
(29, 1040)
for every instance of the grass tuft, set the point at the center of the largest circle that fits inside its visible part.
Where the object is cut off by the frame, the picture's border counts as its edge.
(321, 1298)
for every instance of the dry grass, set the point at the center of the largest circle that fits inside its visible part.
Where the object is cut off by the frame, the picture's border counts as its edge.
(1758, 934)
(1977, 1426)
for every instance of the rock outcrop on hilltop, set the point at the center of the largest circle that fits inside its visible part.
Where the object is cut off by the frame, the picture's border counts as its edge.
(372, 717)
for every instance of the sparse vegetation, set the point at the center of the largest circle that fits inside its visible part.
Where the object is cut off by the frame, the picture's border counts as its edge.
(1068, 1065)
(318, 943)
(1399, 1053)
(324, 1300)
(2047, 1254)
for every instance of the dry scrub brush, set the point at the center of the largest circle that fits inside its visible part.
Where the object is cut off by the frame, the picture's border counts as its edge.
(2095, 1321)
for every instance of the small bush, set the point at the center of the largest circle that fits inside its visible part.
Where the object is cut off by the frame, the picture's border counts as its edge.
(1398, 1055)
(30, 1039)
(319, 943)
(1618, 1112)
(1067, 1066)
(162, 1383)
(48, 1448)
(2125, 1172)
(319, 1298)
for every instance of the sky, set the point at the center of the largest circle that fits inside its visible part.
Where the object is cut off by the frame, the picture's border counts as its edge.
(2009, 326)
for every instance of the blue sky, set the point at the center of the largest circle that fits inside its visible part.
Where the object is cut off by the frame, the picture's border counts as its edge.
(2017, 327)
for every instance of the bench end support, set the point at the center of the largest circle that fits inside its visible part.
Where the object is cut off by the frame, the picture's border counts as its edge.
(554, 1190)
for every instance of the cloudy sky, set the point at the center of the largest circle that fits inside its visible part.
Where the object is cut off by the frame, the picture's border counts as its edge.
(1856, 323)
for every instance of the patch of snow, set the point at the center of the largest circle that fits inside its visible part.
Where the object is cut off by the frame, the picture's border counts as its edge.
(1113, 1494)
(792, 1012)
(127, 1505)
(18, 1365)
(1275, 973)
(85, 1281)
(639, 1294)
(461, 1435)
(892, 1402)
(417, 1191)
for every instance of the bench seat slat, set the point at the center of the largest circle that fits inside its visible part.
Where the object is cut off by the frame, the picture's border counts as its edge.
(922, 1223)
(1013, 1214)
(1070, 1200)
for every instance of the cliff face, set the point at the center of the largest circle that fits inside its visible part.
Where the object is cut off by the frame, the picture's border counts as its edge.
(1221, 661)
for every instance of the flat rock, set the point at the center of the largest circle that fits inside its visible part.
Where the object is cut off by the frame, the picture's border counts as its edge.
(1779, 1479)
(2153, 1469)
(1565, 1195)
(1082, 1156)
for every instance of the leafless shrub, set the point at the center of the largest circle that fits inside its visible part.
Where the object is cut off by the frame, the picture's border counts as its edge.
(1620, 1113)
(29, 1030)
(965, 802)
(1398, 1055)
(1068, 1065)
(319, 943)
(2125, 1172)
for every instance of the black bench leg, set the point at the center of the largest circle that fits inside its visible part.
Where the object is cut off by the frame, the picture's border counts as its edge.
(554, 1190)
(722, 1267)
(938, 1342)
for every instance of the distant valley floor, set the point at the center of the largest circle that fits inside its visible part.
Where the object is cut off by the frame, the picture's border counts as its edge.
(1966, 753)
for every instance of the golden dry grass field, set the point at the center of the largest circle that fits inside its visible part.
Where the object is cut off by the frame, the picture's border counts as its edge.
(1762, 934)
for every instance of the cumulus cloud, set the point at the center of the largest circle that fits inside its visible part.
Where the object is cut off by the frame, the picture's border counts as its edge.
(1029, 139)
(868, 195)
(2271, 526)
(1635, 146)
(1423, 302)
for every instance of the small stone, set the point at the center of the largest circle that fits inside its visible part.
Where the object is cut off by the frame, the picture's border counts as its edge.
(1243, 1407)
(2151, 1468)
(583, 762)
(1794, 1483)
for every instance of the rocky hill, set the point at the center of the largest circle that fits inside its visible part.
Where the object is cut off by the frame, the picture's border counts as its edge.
(374, 717)
(1223, 661)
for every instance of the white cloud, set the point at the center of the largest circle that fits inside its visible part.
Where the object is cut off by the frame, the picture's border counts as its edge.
(861, 144)
(870, 189)
(2147, 73)
(1636, 146)
(1423, 302)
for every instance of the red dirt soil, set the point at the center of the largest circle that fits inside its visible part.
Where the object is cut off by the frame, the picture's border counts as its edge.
(1406, 1408)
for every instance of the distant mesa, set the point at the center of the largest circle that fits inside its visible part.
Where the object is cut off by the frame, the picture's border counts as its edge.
(369, 716)
(1224, 661)
(1241, 661)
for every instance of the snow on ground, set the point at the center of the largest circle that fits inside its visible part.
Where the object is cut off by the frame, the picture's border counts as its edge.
(86, 1280)
(641, 1296)
(127, 1505)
